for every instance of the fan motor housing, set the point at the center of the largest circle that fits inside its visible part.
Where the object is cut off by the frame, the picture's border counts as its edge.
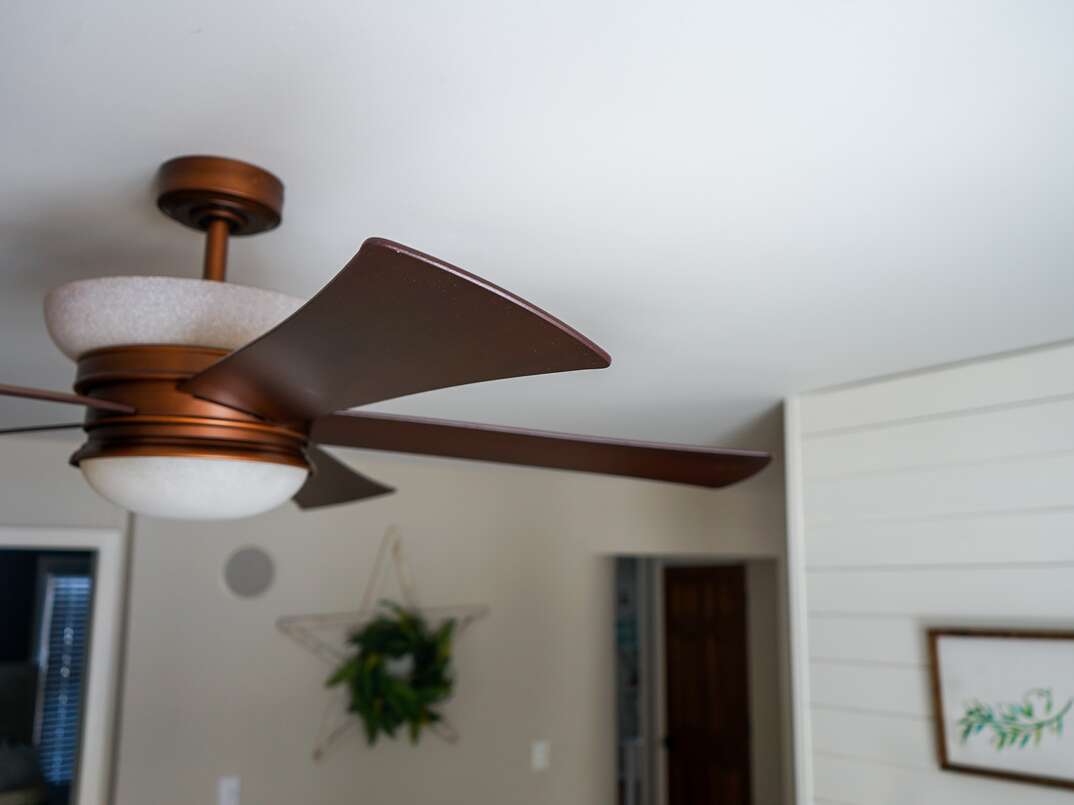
(170, 422)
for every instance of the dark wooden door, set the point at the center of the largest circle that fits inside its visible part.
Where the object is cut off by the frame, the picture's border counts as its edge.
(707, 677)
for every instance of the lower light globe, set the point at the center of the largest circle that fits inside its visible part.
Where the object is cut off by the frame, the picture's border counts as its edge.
(193, 488)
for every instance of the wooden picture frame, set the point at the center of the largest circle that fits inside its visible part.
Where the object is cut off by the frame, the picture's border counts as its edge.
(1023, 739)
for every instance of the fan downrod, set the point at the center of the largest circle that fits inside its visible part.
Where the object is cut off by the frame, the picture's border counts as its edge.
(220, 197)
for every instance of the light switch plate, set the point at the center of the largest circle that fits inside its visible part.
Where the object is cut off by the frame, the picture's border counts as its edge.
(227, 791)
(540, 755)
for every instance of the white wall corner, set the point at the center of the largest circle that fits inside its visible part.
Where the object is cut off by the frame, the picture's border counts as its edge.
(801, 783)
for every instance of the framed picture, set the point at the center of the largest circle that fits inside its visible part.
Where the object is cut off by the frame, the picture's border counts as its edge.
(1004, 703)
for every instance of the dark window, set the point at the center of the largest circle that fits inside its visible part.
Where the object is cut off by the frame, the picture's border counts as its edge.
(64, 634)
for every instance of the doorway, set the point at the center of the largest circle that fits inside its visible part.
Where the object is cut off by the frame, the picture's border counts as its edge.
(699, 681)
(707, 727)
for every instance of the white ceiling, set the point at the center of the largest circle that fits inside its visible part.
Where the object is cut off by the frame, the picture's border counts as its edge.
(737, 200)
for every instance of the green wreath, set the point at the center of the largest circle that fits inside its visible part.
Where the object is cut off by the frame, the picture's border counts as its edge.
(400, 672)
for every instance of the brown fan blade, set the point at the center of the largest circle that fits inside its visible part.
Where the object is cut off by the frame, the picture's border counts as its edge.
(681, 464)
(332, 481)
(37, 428)
(63, 397)
(393, 322)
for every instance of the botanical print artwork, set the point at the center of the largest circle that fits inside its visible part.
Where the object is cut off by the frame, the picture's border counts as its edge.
(1003, 702)
(1019, 724)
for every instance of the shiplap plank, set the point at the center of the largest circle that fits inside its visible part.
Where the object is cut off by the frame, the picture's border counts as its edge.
(1012, 379)
(1046, 427)
(873, 736)
(878, 640)
(1034, 536)
(902, 641)
(1031, 592)
(880, 689)
(846, 780)
(1002, 486)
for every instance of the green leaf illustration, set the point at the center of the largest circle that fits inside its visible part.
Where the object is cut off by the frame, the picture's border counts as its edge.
(1015, 724)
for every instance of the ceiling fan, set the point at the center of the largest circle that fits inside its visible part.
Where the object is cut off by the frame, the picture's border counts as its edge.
(207, 400)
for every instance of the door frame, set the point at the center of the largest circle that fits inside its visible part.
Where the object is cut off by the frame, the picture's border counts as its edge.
(654, 713)
(656, 722)
(110, 547)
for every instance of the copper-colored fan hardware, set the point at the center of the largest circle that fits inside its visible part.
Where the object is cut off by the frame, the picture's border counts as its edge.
(41, 428)
(215, 263)
(63, 397)
(195, 190)
(682, 464)
(332, 481)
(168, 421)
(220, 197)
(393, 322)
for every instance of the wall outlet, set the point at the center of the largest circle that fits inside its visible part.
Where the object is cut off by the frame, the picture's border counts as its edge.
(227, 791)
(540, 755)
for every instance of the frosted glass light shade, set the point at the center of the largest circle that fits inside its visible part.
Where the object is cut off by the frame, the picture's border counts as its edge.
(120, 311)
(188, 488)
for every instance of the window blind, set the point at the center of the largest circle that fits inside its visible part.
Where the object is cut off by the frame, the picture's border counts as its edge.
(65, 633)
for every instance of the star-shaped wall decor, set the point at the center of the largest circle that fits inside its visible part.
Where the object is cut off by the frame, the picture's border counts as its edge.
(325, 635)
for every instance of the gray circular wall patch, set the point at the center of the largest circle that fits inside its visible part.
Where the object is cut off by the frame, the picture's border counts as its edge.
(249, 572)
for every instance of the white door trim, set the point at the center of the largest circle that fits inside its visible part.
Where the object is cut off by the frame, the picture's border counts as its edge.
(91, 786)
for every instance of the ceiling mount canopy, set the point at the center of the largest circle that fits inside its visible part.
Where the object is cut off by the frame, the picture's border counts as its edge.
(220, 197)
(206, 400)
(198, 190)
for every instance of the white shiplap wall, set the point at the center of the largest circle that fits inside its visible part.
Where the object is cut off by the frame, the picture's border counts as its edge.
(944, 497)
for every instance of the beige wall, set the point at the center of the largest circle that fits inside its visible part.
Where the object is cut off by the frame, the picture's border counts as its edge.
(39, 488)
(212, 688)
(940, 498)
